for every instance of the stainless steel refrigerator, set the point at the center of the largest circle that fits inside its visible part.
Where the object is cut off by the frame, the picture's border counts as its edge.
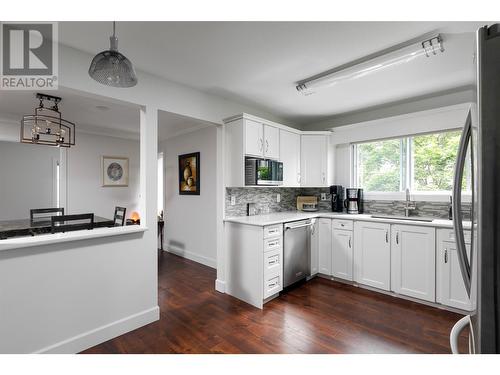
(480, 153)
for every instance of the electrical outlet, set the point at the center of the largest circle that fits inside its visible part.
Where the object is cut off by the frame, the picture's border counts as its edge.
(233, 200)
(278, 197)
(323, 197)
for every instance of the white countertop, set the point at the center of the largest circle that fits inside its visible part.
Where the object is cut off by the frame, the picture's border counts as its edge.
(283, 217)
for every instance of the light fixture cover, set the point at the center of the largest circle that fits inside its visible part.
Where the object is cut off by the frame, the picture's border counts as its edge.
(372, 64)
(111, 68)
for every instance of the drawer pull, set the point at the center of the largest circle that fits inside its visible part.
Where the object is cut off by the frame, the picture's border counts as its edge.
(273, 244)
(446, 255)
(272, 261)
(272, 285)
(342, 224)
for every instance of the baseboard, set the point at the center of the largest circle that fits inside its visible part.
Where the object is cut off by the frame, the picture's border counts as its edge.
(104, 333)
(220, 286)
(210, 262)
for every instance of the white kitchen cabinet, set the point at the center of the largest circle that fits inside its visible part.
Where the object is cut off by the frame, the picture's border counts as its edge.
(413, 260)
(254, 262)
(254, 138)
(314, 161)
(325, 246)
(450, 288)
(342, 249)
(271, 142)
(372, 254)
(315, 247)
(290, 157)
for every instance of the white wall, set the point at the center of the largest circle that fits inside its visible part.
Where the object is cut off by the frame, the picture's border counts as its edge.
(191, 220)
(27, 178)
(84, 176)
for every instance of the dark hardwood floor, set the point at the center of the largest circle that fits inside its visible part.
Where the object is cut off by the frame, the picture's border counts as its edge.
(320, 316)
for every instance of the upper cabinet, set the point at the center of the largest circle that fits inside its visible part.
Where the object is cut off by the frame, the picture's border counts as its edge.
(315, 163)
(290, 156)
(254, 138)
(261, 140)
(247, 135)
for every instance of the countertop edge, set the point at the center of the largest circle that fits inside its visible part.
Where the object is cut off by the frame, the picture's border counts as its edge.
(49, 239)
(437, 223)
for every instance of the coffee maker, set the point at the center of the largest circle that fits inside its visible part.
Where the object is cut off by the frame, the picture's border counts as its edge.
(337, 196)
(354, 201)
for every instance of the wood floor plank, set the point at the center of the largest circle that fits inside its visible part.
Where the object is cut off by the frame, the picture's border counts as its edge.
(320, 316)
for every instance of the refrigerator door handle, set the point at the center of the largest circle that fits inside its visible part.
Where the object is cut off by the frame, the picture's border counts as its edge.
(457, 203)
(455, 333)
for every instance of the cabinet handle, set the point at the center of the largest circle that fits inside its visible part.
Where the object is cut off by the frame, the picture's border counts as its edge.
(267, 146)
(387, 236)
(272, 261)
(272, 285)
(446, 255)
(349, 242)
(298, 178)
(261, 144)
(324, 179)
(397, 238)
(312, 230)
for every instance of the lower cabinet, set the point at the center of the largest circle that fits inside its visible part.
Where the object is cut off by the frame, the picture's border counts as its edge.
(450, 288)
(372, 254)
(342, 246)
(413, 261)
(314, 247)
(325, 246)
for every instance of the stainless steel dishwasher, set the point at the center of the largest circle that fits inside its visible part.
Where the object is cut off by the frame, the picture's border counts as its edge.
(296, 251)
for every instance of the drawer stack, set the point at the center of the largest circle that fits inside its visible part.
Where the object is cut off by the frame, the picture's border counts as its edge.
(273, 260)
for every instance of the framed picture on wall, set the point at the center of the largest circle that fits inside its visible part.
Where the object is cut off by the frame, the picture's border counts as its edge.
(189, 174)
(114, 171)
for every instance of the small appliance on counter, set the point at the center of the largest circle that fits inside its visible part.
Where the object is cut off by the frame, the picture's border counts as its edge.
(307, 203)
(337, 196)
(354, 200)
(263, 172)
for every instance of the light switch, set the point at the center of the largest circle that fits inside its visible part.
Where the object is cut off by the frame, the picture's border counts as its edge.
(278, 197)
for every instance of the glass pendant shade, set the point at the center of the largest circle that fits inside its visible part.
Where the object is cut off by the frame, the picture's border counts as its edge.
(111, 68)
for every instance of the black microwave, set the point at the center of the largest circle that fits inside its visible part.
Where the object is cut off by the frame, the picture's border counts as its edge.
(263, 172)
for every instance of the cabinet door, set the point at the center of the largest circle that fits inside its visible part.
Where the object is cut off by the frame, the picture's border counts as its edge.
(414, 261)
(372, 254)
(254, 138)
(290, 157)
(450, 284)
(314, 160)
(325, 246)
(315, 247)
(271, 142)
(342, 254)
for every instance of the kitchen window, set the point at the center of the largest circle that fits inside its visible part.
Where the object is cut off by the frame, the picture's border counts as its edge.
(425, 164)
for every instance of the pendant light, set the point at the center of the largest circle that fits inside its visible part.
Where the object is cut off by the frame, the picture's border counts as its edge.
(46, 126)
(111, 68)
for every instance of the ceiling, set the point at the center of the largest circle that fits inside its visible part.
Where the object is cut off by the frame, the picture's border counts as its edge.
(88, 112)
(258, 63)
(96, 115)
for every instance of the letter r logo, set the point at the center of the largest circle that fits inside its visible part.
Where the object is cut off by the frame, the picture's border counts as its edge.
(27, 49)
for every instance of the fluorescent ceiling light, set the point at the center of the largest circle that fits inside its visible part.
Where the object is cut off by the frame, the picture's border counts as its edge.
(398, 55)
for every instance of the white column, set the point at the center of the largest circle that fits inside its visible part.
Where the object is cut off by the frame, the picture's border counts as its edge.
(149, 185)
(220, 283)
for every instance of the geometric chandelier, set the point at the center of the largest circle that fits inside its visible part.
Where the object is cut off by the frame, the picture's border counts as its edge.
(46, 126)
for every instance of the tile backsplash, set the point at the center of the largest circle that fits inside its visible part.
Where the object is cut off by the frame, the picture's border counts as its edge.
(265, 199)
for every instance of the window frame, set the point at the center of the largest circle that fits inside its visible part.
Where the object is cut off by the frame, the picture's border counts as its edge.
(406, 172)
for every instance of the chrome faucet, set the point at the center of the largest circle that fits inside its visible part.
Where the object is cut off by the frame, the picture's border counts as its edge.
(409, 205)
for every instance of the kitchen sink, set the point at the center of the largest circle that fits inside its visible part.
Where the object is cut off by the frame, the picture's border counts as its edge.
(409, 218)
